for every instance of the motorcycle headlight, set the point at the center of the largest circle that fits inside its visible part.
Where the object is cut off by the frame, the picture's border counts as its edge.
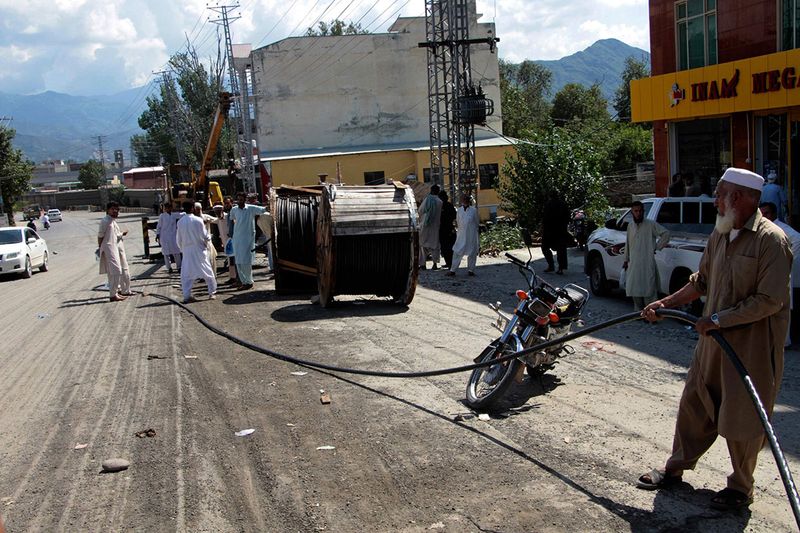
(12, 255)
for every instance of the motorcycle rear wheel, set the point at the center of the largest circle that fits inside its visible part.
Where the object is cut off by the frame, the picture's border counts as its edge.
(488, 384)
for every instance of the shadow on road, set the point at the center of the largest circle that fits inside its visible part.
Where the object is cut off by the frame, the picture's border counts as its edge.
(345, 309)
(82, 302)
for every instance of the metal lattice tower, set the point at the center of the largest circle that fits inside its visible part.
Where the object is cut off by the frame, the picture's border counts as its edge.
(173, 102)
(241, 106)
(452, 128)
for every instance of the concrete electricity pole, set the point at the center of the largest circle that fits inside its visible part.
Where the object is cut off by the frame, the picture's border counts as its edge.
(100, 139)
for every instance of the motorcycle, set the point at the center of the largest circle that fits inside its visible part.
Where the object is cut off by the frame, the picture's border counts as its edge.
(544, 313)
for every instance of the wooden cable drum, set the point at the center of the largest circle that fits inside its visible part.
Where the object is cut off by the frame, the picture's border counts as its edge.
(294, 237)
(367, 242)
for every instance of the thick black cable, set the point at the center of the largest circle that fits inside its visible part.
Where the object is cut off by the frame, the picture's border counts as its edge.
(780, 458)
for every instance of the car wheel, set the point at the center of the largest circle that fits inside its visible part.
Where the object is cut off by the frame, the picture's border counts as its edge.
(28, 272)
(597, 277)
(44, 267)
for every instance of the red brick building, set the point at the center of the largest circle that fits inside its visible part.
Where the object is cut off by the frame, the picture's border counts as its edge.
(145, 178)
(724, 91)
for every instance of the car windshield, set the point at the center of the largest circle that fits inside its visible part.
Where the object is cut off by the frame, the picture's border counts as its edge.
(10, 237)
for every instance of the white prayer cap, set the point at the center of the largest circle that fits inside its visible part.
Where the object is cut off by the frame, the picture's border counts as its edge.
(217, 206)
(745, 178)
(198, 205)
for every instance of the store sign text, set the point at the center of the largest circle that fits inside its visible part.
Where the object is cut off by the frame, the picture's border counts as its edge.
(712, 90)
(774, 80)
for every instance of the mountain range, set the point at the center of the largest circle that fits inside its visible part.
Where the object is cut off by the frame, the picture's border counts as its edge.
(601, 63)
(53, 125)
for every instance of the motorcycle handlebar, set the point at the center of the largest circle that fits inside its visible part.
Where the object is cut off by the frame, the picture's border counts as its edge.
(516, 261)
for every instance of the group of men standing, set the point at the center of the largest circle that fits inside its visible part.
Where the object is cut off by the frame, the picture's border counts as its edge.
(185, 240)
(447, 232)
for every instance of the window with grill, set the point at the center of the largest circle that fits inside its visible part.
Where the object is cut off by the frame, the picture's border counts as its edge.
(488, 175)
(374, 178)
(696, 33)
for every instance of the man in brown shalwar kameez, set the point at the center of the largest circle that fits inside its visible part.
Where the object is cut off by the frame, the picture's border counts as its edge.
(744, 274)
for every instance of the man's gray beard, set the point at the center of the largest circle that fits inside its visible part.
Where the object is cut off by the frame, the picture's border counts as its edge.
(724, 224)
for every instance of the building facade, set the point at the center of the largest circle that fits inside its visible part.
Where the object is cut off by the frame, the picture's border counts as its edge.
(312, 93)
(724, 91)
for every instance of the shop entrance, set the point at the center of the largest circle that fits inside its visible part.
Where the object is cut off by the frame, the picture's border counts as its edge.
(703, 150)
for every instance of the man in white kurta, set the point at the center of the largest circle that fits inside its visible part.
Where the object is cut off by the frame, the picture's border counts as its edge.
(165, 234)
(207, 221)
(193, 239)
(430, 215)
(243, 216)
(112, 254)
(467, 242)
(643, 239)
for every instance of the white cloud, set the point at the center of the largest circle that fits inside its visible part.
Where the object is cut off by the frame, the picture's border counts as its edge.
(103, 46)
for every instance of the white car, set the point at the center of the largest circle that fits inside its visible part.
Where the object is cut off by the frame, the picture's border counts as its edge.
(54, 215)
(22, 250)
(690, 221)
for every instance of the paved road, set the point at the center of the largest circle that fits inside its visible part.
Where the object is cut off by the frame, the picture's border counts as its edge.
(78, 370)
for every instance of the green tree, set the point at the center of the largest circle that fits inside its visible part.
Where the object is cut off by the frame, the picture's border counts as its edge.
(559, 162)
(524, 96)
(15, 173)
(335, 27)
(91, 175)
(635, 69)
(182, 113)
(576, 103)
(625, 145)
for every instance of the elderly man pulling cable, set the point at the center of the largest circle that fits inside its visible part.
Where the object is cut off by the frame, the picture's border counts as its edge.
(744, 274)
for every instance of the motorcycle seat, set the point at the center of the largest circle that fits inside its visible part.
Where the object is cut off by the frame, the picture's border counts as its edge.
(576, 299)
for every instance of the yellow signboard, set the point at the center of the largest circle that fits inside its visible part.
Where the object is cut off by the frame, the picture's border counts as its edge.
(764, 82)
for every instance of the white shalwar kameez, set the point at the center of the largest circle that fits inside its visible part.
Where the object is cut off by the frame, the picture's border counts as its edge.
(212, 251)
(467, 242)
(244, 239)
(112, 257)
(192, 239)
(165, 230)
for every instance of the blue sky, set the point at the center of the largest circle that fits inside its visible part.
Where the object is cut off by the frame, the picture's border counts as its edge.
(86, 47)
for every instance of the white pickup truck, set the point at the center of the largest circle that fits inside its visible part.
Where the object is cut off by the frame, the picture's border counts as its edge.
(689, 220)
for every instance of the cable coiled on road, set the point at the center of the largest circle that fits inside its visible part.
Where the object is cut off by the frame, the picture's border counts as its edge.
(780, 458)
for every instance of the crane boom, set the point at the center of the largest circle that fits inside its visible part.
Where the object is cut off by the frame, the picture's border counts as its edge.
(223, 107)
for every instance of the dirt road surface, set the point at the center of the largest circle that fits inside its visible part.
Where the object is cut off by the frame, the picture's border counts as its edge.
(81, 376)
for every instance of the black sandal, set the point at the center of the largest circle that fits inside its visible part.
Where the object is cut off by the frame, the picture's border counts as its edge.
(657, 479)
(730, 500)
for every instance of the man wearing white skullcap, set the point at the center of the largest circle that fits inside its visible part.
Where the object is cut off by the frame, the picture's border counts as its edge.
(744, 275)
(193, 241)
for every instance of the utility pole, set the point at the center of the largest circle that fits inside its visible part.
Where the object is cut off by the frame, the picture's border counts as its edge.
(241, 104)
(455, 105)
(100, 139)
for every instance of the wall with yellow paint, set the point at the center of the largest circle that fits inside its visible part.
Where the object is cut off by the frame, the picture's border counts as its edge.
(396, 165)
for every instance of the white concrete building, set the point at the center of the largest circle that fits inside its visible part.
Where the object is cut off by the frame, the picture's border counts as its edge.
(316, 93)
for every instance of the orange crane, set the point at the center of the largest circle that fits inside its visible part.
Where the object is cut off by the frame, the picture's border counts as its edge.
(199, 183)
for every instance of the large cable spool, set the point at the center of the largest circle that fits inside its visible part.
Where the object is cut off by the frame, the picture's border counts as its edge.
(367, 242)
(294, 238)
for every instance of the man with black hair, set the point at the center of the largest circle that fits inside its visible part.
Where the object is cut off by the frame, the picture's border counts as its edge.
(644, 237)
(112, 254)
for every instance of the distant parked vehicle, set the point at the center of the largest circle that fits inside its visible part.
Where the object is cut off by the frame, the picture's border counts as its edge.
(54, 215)
(22, 250)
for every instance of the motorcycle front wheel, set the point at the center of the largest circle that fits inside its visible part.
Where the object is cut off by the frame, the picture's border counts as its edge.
(488, 384)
